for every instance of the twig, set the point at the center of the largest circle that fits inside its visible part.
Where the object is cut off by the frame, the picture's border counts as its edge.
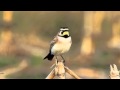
(51, 75)
(114, 72)
(60, 70)
(71, 73)
(57, 71)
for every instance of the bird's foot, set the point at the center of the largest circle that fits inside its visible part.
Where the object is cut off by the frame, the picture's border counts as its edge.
(64, 62)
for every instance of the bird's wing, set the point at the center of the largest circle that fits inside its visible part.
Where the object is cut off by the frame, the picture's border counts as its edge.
(53, 42)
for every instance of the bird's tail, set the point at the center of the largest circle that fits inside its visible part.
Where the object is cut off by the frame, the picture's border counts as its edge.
(49, 57)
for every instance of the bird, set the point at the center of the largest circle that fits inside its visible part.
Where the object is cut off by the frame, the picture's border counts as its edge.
(60, 44)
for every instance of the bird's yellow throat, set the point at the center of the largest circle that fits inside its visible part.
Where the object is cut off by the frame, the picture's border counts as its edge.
(65, 33)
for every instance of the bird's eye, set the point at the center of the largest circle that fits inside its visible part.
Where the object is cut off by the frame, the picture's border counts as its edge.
(61, 32)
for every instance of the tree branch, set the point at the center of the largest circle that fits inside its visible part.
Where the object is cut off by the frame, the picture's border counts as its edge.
(51, 75)
(71, 73)
(60, 70)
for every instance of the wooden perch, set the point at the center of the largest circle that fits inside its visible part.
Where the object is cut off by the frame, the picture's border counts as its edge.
(60, 71)
(114, 72)
(57, 71)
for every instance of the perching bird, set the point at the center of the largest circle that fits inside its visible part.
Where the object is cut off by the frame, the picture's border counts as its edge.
(60, 44)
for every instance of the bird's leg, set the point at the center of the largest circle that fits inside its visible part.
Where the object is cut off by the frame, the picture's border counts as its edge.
(63, 59)
(57, 59)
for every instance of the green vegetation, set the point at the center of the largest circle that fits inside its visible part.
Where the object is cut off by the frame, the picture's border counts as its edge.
(8, 61)
(36, 60)
(27, 76)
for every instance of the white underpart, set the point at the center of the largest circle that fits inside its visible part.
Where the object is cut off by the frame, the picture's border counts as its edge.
(60, 48)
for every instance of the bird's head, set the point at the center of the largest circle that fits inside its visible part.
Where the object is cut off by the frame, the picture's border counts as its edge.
(64, 32)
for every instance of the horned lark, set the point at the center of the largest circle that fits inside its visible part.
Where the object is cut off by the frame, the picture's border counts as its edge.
(60, 44)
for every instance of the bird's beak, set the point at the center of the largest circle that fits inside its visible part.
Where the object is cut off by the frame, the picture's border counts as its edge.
(66, 33)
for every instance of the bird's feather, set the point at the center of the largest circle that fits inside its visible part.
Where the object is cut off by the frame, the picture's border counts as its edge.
(53, 42)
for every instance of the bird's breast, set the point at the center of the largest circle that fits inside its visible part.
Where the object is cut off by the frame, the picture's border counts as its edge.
(61, 47)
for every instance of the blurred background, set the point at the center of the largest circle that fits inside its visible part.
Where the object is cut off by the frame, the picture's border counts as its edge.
(25, 37)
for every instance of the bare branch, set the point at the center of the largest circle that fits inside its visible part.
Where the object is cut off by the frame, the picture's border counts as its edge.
(71, 73)
(51, 75)
(60, 70)
(114, 73)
